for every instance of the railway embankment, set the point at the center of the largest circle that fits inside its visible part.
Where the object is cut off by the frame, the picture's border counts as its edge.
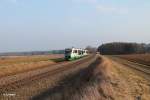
(103, 79)
(91, 83)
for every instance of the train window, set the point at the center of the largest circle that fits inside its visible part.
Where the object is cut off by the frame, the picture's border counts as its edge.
(82, 52)
(87, 52)
(79, 52)
(74, 51)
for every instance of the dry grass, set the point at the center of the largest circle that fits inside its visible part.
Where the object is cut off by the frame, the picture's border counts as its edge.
(26, 59)
(18, 64)
(139, 58)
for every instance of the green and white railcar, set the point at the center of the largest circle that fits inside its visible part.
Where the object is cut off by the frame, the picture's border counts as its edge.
(73, 53)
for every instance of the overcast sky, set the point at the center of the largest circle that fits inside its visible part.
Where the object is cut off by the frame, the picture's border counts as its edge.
(27, 25)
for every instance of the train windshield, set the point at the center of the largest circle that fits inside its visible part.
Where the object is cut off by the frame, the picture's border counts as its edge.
(67, 51)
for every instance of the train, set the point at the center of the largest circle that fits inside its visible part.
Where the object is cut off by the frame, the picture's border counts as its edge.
(75, 53)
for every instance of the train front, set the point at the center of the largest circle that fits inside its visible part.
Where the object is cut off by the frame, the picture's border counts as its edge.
(68, 54)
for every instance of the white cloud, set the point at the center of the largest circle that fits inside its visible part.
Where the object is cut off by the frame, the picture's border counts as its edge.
(111, 9)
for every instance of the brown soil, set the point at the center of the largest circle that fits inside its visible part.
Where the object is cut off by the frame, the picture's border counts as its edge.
(14, 65)
(139, 58)
(103, 79)
(127, 83)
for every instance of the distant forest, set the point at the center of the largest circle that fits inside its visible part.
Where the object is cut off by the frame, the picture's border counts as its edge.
(117, 48)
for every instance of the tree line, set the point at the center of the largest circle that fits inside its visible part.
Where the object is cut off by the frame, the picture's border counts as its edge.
(117, 48)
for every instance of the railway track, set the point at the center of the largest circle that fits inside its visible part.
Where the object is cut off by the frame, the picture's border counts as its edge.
(20, 80)
(145, 69)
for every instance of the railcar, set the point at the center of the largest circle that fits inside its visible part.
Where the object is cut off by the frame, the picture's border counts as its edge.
(74, 53)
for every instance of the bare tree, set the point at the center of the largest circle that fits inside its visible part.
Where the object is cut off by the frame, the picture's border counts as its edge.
(91, 49)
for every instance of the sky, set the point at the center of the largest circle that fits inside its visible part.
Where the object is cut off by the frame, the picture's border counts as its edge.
(35, 25)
